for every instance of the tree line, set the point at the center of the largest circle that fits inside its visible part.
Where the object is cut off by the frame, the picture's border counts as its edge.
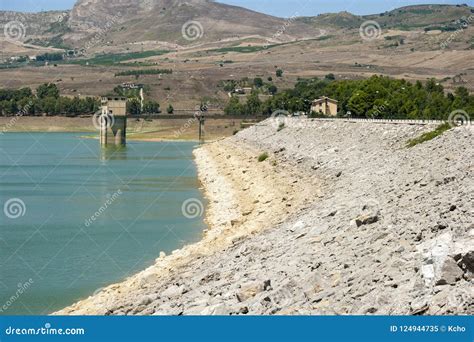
(46, 100)
(376, 97)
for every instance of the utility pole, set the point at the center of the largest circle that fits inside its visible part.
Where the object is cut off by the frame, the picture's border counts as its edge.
(202, 120)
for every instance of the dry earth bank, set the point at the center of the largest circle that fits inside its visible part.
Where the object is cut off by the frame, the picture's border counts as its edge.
(146, 130)
(341, 219)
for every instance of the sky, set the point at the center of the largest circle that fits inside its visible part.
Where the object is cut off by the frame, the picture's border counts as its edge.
(281, 8)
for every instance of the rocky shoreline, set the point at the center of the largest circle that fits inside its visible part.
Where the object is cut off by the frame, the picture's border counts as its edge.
(342, 218)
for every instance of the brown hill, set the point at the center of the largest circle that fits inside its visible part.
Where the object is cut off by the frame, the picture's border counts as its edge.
(122, 24)
(404, 18)
(163, 20)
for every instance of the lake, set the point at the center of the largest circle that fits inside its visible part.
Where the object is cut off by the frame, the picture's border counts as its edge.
(76, 217)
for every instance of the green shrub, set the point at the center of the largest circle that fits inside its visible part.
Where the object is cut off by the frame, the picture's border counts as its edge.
(144, 72)
(262, 157)
(430, 135)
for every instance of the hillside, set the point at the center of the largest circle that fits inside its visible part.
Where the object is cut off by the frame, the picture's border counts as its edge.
(404, 18)
(162, 20)
(99, 22)
(233, 44)
(124, 25)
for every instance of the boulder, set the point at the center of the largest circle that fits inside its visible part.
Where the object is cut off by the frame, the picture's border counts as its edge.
(450, 273)
(250, 290)
(367, 219)
(173, 291)
(467, 264)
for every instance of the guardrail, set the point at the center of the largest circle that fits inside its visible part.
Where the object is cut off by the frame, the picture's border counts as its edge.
(394, 121)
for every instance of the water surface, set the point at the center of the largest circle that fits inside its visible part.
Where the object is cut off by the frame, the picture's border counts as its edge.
(91, 216)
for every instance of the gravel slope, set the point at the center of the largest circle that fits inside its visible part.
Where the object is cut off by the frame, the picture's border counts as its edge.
(341, 219)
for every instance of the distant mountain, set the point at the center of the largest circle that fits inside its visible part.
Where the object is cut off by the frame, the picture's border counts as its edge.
(129, 21)
(404, 18)
(125, 22)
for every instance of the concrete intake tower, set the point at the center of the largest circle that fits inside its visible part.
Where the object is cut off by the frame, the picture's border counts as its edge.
(113, 121)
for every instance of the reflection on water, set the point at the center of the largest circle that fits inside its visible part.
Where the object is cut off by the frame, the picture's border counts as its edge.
(113, 152)
(93, 215)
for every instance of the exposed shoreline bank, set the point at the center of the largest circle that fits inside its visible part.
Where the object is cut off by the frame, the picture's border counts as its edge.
(235, 212)
(156, 129)
(330, 223)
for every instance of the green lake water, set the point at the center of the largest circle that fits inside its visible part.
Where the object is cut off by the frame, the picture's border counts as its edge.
(75, 218)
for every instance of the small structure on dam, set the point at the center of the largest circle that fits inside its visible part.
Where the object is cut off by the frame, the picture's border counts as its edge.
(113, 121)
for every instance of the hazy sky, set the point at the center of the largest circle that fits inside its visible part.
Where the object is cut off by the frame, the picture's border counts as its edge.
(282, 8)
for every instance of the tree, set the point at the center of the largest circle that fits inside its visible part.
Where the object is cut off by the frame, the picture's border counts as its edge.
(272, 89)
(258, 82)
(279, 73)
(48, 105)
(330, 77)
(47, 90)
(170, 109)
(359, 104)
(253, 105)
(134, 107)
(230, 85)
(151, 107)
(433, 87)
(234, 107)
